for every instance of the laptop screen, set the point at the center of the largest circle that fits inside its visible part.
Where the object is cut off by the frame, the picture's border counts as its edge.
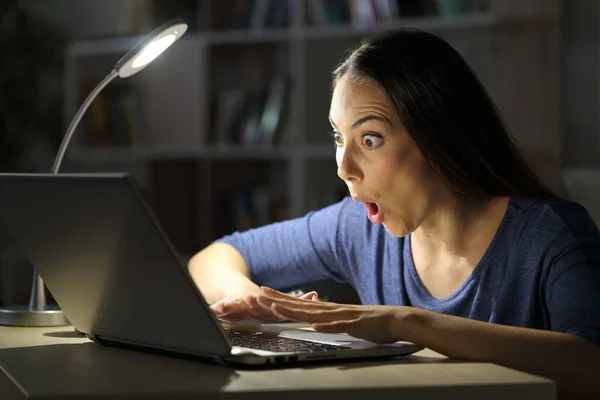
(104, 258)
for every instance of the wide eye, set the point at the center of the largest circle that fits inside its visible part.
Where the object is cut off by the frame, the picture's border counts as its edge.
(338, 140)
(372, 140)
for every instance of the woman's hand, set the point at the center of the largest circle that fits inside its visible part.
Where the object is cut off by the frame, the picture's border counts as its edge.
(245, 307)
(378, 324)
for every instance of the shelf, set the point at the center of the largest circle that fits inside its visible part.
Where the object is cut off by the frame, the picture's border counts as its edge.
(232, 37)
(433, 23)
(122, 45)
(211, 152)
(245, 36)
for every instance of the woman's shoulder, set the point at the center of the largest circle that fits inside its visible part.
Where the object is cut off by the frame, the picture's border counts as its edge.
(551, 217)
(343, 210)
(353, 228)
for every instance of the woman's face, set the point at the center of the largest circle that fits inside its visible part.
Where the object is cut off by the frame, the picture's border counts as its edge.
(378, 160)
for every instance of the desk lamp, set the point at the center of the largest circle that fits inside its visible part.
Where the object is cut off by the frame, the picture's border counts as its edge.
(38, 312)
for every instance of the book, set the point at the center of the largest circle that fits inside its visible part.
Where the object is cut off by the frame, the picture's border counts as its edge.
(274, 110)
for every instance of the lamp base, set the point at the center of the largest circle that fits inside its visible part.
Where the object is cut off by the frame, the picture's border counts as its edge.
(23, 316)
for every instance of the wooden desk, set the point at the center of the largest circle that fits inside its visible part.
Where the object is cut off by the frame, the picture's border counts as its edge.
(54, 363)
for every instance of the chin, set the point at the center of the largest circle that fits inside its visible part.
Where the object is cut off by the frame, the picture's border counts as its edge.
(396, 230)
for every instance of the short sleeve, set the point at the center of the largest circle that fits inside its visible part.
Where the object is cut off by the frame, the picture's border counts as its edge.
(293, 253)
(573, 291)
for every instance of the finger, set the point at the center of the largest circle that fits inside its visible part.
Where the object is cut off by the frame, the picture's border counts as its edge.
(310, 296)
(234, 306)
(226, 301)
(217, 307)
(311, 315)
(221, 308)
(267, 301)
(253, 303)
(257, 314)
(278, 295)
(259, 311)
(267, 291)
(250, 300)
(256, 307)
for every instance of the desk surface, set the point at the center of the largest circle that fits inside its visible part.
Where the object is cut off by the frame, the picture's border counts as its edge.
(53, 363)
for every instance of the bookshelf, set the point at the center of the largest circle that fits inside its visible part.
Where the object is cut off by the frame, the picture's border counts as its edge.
(192, 127)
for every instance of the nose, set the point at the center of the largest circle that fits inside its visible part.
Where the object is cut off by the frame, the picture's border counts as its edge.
(348, 168)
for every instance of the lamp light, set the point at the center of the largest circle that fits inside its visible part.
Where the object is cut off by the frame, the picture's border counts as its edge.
(38, 312)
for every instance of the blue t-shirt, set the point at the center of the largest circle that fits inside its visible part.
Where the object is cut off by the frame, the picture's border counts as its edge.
(542, 269)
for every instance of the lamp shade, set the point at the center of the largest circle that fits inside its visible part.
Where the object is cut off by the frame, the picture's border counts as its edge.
(151, 47)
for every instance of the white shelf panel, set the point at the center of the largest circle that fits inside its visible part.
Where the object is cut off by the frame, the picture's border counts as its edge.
(145, 153)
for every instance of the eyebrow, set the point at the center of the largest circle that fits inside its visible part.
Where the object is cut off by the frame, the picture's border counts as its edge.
(364, 119)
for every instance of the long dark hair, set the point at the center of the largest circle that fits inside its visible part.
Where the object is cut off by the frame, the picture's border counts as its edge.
(446, 110)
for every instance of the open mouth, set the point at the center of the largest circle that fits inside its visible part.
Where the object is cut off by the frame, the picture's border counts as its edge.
(373, 212)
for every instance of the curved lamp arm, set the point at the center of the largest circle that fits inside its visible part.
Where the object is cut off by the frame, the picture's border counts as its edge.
(67, 139)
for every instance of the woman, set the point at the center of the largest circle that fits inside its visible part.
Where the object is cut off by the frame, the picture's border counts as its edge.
(449, 239)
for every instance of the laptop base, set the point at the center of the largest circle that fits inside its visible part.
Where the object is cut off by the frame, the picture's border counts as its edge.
(248, 362)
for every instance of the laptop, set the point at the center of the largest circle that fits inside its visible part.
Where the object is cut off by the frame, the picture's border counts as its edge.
(103, 256)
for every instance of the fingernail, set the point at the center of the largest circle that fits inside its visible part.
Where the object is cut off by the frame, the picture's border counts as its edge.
(217, 308)
(262, 300)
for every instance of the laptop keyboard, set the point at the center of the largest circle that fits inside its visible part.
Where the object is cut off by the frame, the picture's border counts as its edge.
(261, 341)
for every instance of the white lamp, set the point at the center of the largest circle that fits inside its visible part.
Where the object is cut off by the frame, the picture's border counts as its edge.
(38, 312)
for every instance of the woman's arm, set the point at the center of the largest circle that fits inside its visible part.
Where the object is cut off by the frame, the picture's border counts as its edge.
(219, 271)
(222, 276)
(284, 255)
(573, 362)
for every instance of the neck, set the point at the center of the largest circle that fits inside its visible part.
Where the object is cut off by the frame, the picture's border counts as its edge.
(457, 227)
